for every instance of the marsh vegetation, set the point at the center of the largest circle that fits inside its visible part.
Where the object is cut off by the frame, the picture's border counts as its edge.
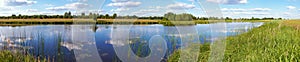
(274, 41)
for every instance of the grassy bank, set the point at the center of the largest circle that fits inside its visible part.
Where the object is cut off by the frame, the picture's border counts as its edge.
(8, 56)
(275, 41)
(272, 42)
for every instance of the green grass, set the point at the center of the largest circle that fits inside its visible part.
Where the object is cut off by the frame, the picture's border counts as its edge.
(8, 56)
(203, 54)
(272, 42)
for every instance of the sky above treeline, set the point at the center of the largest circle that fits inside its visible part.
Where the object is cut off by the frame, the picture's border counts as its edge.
(200, 8)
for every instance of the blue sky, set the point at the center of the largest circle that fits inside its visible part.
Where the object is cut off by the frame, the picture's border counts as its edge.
(226, 8)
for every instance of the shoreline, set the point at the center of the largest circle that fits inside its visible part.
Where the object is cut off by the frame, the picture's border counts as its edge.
(21, 22)
(275, 38)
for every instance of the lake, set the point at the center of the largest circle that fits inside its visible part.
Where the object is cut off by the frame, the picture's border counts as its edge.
(108, 43)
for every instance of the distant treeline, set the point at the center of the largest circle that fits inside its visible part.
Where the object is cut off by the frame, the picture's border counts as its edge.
(67, 15)
(168, 16)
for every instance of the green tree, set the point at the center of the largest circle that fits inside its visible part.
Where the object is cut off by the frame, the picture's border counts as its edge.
(82, 14)
(69, 14)
(114, 15)
(170, 16)
(179, 17)
(65, 15)
(227, 18)
(13, 16)
(20, 16)
(101, 16)
(106, 16)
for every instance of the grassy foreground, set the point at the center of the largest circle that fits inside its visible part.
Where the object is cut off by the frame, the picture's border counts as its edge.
(273, 42)
(8, 56)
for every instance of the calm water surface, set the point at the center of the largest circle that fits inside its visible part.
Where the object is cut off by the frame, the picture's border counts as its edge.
(72, 43)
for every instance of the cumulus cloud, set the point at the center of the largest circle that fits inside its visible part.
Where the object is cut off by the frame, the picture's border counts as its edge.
(124, 4)
(61, 8)
(119, 0)
(247, 11)
(261, 9)
(292, 0)
(244, 10)
(233, 9)
(228, 1)
(78, 0)
(72, 6)
(287, 13)
(191, 0)
(181, 6)
(291, 7)
(31, 10)
(144, 11)
(47, 13)
(253, 13)
(49, 5)
(18, 2)
(156, 7)
(83, 0)
(92, 11)
(150, 10)
(119, 10)
(6, 8)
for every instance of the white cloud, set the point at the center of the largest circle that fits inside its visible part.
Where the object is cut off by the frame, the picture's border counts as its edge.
(78, 0)
(6, 8)
(82, 0)
(156, 7)
(91, 11)
(229, 1)
(180, 6)
(287, 13)
(290, 15)
(243, 1)
(292, 0)
(119, 10)
(49, 5)
(31, 10)
(291, 7)
(144, 11)
(47, 13)
(119, 0)
(233, 9)
(61, 8)
(150, 10)
(244, 10)
(247, 13)
(124, 4)
(18, 2)
(261, 9)
(72, 6)
(258, 13)
(191, 0)
(1, 2)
